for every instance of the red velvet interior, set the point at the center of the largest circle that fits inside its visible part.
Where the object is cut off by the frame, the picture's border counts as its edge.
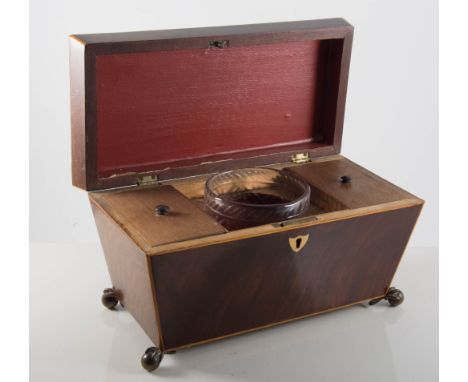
(154, 108)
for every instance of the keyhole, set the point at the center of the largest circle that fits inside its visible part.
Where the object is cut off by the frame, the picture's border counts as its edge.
(298, 243)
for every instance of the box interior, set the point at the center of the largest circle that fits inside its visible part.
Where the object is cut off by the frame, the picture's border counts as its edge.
(134, 209)
(164, 109)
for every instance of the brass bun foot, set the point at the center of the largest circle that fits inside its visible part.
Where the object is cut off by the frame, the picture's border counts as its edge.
(151, 358)
(394, 297)
(109, 298)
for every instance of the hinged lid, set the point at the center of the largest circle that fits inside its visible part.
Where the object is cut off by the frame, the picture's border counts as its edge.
(153, 106)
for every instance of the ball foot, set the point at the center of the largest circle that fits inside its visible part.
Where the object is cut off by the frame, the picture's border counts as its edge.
(394, 297)
(109, 298)
(151, 359)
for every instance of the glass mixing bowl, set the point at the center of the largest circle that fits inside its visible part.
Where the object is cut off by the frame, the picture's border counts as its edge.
(254, 196)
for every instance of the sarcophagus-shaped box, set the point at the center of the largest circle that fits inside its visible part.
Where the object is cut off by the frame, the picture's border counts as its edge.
(155, 114)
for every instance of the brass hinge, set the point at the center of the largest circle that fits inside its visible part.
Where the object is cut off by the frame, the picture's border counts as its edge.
(300, 158)
(147, 180)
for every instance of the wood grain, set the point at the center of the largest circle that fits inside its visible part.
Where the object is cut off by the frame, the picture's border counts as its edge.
(77, 108)
(324, 26)
(308, 221)
(134, 211)
(282, 94)
(365, 189)
(213, 291)
(331, 201)
(194, 187)
(130, 273)
(168, 103)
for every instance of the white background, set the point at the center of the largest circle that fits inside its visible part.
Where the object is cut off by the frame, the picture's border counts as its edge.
(454, 81)
(391, 112)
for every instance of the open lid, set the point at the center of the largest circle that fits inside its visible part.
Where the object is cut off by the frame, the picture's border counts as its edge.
(178, 103)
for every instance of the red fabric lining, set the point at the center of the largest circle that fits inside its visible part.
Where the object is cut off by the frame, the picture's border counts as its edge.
(154, 108)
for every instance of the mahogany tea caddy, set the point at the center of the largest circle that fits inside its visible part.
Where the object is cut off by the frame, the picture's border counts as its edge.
(154, 114)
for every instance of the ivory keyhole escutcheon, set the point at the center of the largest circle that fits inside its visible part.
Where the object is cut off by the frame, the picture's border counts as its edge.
(298, 242)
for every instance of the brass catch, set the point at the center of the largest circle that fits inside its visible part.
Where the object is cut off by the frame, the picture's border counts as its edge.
(147, 180)
(300, 158)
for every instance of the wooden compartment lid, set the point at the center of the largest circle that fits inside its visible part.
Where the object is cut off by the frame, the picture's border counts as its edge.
(135, 212)
(178, 103)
